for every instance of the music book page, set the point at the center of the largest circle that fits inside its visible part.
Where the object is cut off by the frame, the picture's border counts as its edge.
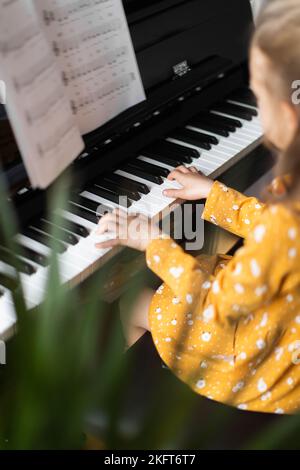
(70, 67)
(39, 110)
(92, 43)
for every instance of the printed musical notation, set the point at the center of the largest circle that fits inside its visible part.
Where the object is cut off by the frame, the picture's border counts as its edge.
(92, 44)
(69, 67)
(39, 110)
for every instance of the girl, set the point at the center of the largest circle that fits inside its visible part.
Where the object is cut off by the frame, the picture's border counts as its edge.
(230, 328)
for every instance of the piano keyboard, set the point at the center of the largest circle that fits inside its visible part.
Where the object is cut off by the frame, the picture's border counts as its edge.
(212, 142)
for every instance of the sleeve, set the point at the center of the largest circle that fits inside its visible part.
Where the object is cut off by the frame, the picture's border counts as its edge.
(250, 280)
(232, 210)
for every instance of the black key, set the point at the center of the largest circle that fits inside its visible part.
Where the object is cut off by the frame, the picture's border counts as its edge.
(149, 168)
(8, 282)
(170, 155)
(17, 263)
(192, 138)
(83, 213)
(244, 95)
(227, 123)
(44, 239)
(90, 205)
(109, 196)
(73, 227)
(132, 170)
(127, 183)
(177, 149)
(1, 292)
(252, 111)
(34, 256)
(174, 162)
(62, 234)
(234, 110)
(134, 195)
(207, 126)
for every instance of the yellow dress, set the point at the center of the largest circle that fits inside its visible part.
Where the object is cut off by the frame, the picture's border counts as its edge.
(229, 327)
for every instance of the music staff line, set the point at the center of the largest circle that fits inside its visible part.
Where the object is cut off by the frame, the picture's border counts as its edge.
(64, 13)
(79, 40)
(17, 42)
(45, 107)
(55, 139)
(94, 66)
(106, 91)
(28, 79)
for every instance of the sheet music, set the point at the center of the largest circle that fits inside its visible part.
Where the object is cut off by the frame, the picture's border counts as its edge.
(39, 110)
(92, 43)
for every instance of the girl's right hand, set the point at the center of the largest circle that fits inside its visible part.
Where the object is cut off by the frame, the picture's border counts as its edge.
(195, 185)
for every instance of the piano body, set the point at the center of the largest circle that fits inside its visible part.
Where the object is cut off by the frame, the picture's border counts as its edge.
(199, 111)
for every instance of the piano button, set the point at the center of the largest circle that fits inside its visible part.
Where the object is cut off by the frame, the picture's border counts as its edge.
(134, 171)
(189, 137)
(72, 227)
(206, 126)
(234, 110)
(62, 235)
(83, 213)
(155, 157)
(109, 196)
(21, 265)
(44, 239)
(127, 183)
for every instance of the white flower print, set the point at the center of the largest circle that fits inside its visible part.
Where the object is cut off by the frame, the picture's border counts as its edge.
(297, 319)
(261, 385)
(292, 233)
(203, 365)
(158, 310)
(255, 268)
(235, 207)
(242, 406)
(238, 269)
(247, 221)
(176, 271)
(261, 344)
(156, 258)
(264, 320)
(292, 252)
(209, 313)
(201, 384)
(206, 285)
(216, 287)
(168, 340)
(174, 322)
(206, 337)
(242, 356)
(190, 322)
(290, 381)
(189, 298)
(289, 298)
(229, 220)
(239, 288)
(159, 317)
(259, 291)
(266, 396)
(175, 300)
(279, 411)
(259, 233)
(257, 206)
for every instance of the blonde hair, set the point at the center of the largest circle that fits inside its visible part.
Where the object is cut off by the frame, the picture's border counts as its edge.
(277, 35)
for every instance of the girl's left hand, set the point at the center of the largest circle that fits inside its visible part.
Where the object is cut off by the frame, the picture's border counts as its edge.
(132, 231)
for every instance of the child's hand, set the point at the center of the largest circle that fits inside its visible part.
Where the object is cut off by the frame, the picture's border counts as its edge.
(132, 231)
(195, 184)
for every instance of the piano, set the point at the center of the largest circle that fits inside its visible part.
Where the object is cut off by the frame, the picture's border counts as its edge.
(199, 111)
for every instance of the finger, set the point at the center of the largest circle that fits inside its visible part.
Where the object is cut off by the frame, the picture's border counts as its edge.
(174, 193)
(108, 244)
(108, 226)
(193, 169)
(178, 176)
(182, 169)
(120, 212)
